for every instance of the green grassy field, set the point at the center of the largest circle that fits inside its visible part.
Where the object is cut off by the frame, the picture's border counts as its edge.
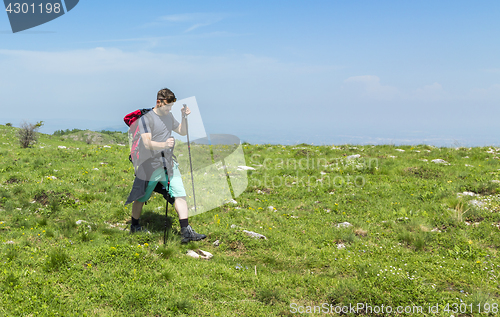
(412, 239)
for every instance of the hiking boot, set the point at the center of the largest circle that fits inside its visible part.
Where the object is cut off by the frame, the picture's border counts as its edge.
(188, 234)
(138, 228)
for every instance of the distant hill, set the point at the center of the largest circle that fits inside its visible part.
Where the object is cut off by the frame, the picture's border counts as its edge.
(93, 137)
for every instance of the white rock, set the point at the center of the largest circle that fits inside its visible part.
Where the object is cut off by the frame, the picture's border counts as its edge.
(245, 168)
(466, 194)
(400, 150)
(205, 254)
(254, 234)
(192, 254)
(343, 225)
(439, 161)
(61, 147)
(351, 157)
(416, 151)
(199, 254)
(107, 146)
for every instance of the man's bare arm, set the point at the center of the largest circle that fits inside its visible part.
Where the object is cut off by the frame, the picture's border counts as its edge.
(181, 129)
(153, 145)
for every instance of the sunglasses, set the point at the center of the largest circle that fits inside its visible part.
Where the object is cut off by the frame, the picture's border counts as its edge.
(170, 101)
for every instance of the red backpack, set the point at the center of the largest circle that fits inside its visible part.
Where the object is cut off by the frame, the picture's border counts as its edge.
(133, 132)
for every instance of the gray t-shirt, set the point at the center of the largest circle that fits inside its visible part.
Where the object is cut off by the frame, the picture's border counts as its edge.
(161, 128)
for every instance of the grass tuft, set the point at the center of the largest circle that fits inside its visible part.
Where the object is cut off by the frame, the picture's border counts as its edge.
(56, 259)
(269, 296)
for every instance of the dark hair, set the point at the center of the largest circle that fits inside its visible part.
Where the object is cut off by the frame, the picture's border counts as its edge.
(166, 94)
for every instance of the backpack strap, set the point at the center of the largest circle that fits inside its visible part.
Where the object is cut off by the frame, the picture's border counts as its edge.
(143, 120)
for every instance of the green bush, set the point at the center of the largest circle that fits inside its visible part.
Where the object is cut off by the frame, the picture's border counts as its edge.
(28, 133)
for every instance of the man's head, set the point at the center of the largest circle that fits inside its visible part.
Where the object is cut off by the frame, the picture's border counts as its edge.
(167, 95)
(164, 101)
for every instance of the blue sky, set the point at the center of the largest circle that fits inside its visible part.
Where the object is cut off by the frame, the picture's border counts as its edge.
(322, 72)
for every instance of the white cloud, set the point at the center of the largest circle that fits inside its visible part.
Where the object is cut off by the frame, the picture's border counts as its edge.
(197, 25)
(491, 93)
(431, 88)
(106, 82)
(190, 17)
(433, 92)
(235, 89)
(92, 61)
(369, 86)
(197, 20)
(102, 60)
(151, 42)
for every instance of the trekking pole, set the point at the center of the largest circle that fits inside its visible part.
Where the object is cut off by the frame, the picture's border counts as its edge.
(167, 222)
(189, 150)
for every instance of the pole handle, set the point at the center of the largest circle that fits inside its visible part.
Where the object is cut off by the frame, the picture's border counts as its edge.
(184, 106)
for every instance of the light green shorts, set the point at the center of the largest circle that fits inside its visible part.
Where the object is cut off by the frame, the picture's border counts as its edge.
(160, 175)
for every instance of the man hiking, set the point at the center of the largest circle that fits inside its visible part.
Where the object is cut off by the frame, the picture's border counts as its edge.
(156, 163)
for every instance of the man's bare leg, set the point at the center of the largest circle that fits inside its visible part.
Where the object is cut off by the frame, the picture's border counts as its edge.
(181, 207)
(137, 209)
